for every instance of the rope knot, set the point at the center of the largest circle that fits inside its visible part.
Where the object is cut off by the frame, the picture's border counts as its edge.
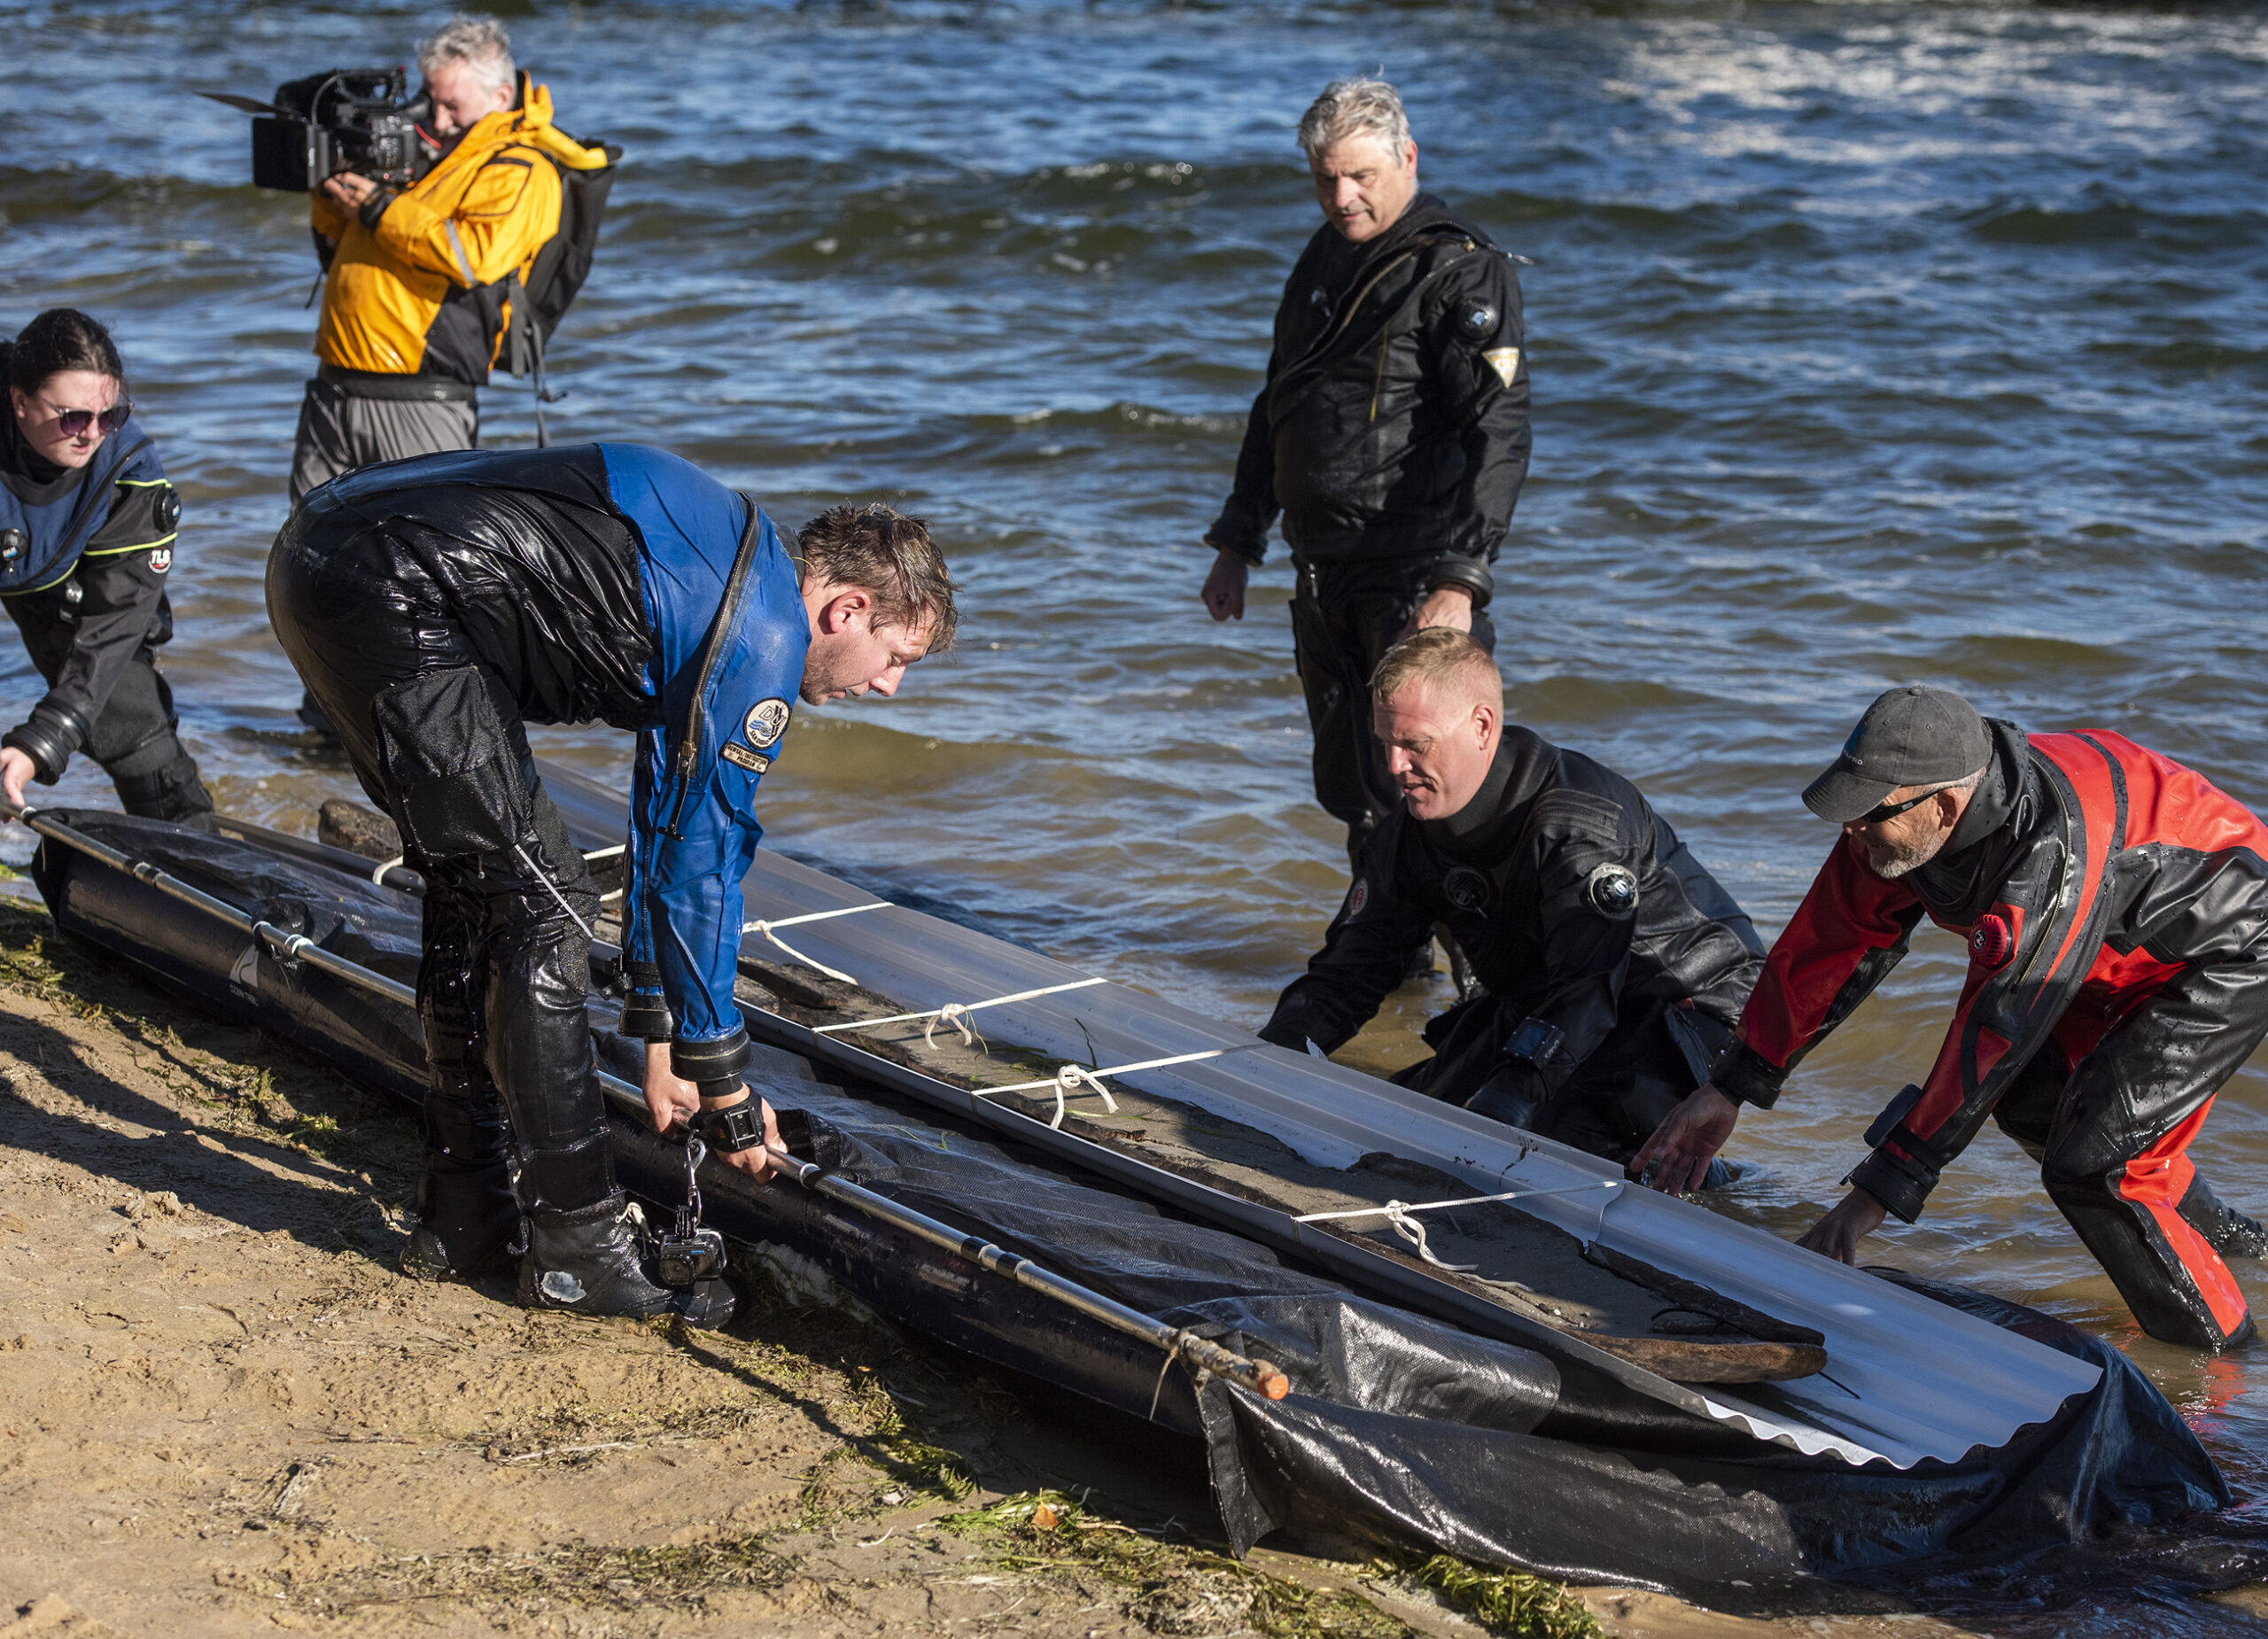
(1068, 1081)
(1411, 1228)
(953, 1015)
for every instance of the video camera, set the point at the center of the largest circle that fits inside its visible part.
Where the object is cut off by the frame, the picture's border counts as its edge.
(358, 119)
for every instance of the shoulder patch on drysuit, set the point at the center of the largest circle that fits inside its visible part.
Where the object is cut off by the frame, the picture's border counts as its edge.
(734, 752)
(161, 560)
(766, 721)
(1358, 896)
(1504, 361)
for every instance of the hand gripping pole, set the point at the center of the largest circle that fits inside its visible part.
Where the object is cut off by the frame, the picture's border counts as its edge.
(1201, 1355)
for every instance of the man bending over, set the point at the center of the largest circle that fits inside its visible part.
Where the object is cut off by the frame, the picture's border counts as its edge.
(2116, 905)
(434, 607)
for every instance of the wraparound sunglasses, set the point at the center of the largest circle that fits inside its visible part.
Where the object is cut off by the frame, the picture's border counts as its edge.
(73, 423)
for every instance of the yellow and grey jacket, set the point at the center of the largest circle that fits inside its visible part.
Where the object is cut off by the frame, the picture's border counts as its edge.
(420, 282)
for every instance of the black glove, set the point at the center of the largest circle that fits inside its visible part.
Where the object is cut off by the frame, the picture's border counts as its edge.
(374, 206)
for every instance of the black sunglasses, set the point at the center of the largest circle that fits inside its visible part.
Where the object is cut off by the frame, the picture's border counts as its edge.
(73, 423)
(1891, 811)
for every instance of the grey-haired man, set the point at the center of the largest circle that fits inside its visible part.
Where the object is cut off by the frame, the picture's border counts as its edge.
(1391, 434)
(2115, 908)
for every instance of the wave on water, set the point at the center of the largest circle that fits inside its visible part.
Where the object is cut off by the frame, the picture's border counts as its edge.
(2109, 218)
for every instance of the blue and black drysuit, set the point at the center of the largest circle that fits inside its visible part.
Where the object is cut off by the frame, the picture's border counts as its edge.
(435, 606)
(84, 552)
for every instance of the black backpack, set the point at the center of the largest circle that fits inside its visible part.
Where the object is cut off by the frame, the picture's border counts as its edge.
(558, 273)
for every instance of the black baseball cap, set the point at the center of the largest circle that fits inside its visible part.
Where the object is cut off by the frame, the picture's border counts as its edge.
(1909, 736)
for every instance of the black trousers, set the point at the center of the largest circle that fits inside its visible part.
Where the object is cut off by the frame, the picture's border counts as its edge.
(136, 738)
(1615, 1098)
(435, 739)
(2112, 1134)
(1344, 618)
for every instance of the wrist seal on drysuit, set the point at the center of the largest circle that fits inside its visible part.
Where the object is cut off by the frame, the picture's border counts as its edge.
(1535, 1064)
(1230, 535)
(48, 737)
(374, 206)
(717, 1067)
(1746, 1076)
(1468, 575)
(1901, 1181)
(733, 1128)
(645, 1010)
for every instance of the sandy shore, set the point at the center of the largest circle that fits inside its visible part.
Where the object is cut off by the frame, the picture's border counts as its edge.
(227, 1412)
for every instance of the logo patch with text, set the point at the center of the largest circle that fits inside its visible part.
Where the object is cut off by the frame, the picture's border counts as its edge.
(162, 559)
(767, 720)
(1505, 361)
(740, 756)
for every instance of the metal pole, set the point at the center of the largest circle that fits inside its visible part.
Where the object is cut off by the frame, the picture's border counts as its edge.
(1202, 1355)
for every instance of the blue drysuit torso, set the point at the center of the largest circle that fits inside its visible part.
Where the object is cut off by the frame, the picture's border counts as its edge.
(617, 583)
(723, 713)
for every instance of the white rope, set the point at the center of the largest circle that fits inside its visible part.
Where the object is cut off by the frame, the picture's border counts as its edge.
(1400, 1216)
(592, 856)
(956, 1015)
(1068, 1078)
(379, 875)
(1398, 1219)
(1119, 1070)
(765, 927)
(957, 1011)
(1470, 1200)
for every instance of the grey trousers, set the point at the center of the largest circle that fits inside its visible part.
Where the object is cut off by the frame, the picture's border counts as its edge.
(339, 431)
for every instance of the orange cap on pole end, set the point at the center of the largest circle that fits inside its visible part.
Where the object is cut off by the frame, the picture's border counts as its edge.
(1270, 1381)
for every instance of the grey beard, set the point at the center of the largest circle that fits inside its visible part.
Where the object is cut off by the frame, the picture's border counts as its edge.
(1906, 857)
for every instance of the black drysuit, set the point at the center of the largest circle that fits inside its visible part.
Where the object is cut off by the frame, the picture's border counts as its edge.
(433, 607)
(1613, 966)
(91, 603)
(1393, 437)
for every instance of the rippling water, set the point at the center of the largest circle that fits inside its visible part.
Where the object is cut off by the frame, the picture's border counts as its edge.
(1870, 344)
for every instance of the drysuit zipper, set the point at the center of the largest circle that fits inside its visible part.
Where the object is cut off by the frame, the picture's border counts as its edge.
(1347, 317)
(696, 716)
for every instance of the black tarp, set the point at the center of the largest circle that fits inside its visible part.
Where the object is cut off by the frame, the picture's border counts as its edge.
(1401, 1431)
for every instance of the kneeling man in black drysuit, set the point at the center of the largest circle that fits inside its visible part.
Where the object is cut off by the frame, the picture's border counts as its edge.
(1614, 967)
(435, 606)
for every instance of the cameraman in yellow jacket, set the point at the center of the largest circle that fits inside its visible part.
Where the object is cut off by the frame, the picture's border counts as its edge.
(419, 282)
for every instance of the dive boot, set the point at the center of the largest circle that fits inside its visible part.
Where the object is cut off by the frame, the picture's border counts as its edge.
(468, 1225)
(586, 1261)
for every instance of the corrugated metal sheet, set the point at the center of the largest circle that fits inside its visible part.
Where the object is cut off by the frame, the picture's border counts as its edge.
(1908, 1378)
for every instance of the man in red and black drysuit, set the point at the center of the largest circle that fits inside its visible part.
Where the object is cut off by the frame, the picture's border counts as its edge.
(2116, 905)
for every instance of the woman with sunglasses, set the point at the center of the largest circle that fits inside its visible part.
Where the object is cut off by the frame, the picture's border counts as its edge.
(87, 529)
